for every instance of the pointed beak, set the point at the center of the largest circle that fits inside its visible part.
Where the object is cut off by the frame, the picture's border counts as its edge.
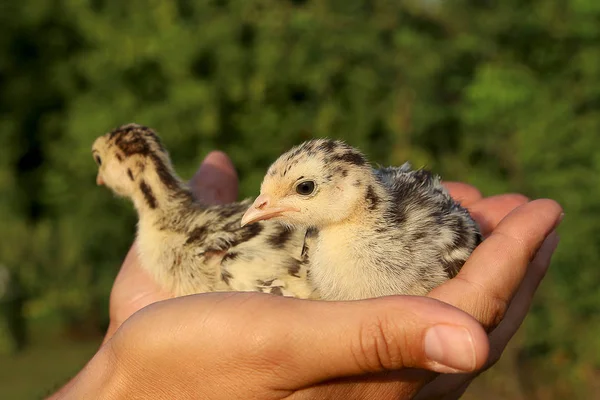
(263, 209)
(99, 180)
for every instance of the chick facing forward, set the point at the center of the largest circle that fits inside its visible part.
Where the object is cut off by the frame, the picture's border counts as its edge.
(189, 247)
(369, 232)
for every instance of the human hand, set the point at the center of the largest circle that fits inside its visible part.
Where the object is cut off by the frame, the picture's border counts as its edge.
(496, 285)
(260, 346)
(215, 182)
(406, 383)
(498, 282)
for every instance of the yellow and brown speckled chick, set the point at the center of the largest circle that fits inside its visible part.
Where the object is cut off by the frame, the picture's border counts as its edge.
(370, 232)
(189, 247)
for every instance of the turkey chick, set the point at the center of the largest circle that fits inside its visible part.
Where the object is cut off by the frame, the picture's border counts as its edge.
(369, 232)
(189, 247)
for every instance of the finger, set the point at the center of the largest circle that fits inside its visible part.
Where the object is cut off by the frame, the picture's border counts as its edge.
(216, 180)
(463, 193)
(519, 307)
(327, 340)
(389, 385)
(293, 343)
(447, 387)
(383, 388)
(499, 338)
(315, 341)
(490, 277)
(490, 211)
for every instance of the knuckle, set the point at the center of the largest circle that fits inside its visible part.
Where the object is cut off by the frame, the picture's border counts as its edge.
(512, 241)
(494, 311)
(489, 308)
(518, 198)
(376, 349)
(269, 356)
(265, 346)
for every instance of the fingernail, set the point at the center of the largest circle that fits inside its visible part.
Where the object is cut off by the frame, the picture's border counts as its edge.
(451, 347)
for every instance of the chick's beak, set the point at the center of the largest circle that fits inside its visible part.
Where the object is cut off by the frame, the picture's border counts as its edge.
(99, 180)
(262, 209)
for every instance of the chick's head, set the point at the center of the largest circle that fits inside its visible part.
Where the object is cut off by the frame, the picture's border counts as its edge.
(317, 183)
(126, 156)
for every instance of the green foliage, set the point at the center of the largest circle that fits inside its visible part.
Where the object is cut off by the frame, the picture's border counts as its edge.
(504, 95)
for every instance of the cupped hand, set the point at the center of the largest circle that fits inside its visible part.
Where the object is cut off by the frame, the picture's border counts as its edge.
(262, 346)
(496, 286)
(498, 282)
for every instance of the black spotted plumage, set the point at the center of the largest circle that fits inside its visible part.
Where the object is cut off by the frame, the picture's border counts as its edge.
(371, 231)
(372, 198)
(280, 237)
(226, 276)
(148, 195)
(276, 290)
(349, 157)
(197, 235)
(190, 247)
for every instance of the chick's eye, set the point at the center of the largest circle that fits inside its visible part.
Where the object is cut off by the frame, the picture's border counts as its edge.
(98, 160)
(305, 188)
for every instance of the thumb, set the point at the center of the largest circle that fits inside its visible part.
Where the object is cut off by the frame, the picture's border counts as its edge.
(328, 340)
(216, 181)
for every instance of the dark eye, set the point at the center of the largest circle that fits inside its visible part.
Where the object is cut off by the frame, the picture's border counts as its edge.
(98, 160)
(305, 188)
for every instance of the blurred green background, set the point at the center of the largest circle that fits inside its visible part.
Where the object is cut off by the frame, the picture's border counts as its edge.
(504, 94)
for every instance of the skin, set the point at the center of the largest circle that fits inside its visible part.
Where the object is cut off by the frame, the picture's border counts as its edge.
(229, 346)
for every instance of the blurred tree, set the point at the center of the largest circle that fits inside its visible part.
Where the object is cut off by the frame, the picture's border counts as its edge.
(505, 95)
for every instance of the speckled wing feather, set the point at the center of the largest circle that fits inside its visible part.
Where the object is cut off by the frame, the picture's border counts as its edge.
(442, 219)
(207, 250)
(263, 257)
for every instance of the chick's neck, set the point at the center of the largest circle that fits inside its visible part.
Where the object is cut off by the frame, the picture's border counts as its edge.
(160, 195)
